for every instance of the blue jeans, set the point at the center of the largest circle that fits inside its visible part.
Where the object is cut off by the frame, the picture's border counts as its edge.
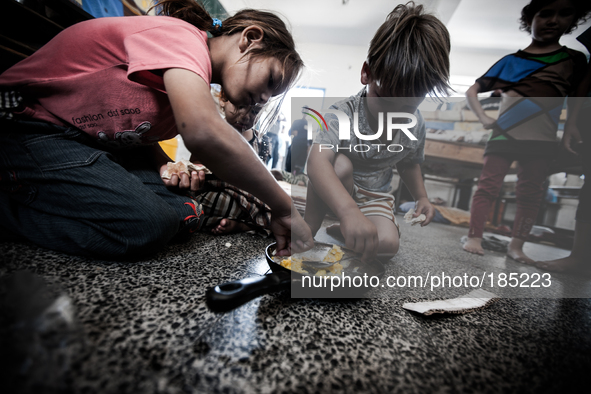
(61, 191)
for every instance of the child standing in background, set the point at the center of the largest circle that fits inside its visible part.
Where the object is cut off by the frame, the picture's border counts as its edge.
(80, 167)
(577, 141)
(534, 83)
(408, 58)
(226, 208)
(242, 119)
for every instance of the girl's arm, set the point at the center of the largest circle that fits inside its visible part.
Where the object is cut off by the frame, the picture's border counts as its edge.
(413, 179)
(223, 150)
(476, 107)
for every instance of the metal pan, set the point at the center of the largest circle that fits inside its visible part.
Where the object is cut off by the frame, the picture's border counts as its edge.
(230, 295)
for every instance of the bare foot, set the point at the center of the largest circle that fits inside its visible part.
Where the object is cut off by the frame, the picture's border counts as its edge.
(334, 231)
(515, 252)
(520, 257)
(567, 264)
(228, 226)
(474, 245)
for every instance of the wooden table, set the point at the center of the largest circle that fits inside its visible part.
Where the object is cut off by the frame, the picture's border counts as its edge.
(458, 160)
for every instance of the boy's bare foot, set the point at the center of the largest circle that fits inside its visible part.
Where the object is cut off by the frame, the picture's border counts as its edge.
(474, 245)
(334, 230)
(228, 226)
(515, 252)
(567, 264)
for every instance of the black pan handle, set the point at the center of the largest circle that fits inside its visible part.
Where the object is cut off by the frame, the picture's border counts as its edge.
(230, 295)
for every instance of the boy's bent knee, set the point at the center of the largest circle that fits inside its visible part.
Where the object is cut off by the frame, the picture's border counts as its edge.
(388, 244)
(388, 247)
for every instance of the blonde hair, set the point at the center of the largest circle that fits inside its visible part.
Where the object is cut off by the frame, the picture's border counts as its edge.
(409, 54)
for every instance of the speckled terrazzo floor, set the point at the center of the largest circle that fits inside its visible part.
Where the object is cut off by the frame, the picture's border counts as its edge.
(143, 327)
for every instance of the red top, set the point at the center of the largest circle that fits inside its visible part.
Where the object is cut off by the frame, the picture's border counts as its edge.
(104, 76)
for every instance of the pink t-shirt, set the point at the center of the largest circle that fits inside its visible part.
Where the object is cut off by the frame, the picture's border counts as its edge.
(104, 76)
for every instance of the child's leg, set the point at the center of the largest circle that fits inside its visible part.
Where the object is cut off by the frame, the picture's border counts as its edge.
(230, 226)
(64, 195)
(529, 193)
(388, 236)
(139, 163)
(222, 215)
(491, 179)
(228, 209)
(316, 209)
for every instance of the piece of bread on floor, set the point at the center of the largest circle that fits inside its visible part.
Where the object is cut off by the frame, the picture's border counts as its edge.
(409, 219)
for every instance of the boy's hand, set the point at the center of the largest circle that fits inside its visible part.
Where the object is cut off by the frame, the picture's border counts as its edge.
(360, 234)
(423, 206)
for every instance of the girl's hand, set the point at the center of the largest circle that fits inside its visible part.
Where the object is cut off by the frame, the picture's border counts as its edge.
(476, 107)
(488, 122)
(193, 182)
(423, 206)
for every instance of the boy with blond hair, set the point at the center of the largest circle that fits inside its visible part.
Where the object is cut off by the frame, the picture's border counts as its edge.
(408, 58)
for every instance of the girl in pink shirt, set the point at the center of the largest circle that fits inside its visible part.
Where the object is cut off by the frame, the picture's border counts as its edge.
(80, 165)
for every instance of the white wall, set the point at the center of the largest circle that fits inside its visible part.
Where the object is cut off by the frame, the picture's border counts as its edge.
(336, 68)
(467, 64)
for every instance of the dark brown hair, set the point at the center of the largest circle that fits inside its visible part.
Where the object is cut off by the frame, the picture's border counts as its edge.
(277, 41)
(409, 54)
(582, 9)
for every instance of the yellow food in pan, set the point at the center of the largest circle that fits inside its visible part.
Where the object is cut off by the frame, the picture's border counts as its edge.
(336, 269)
(294, 264)
(334, 254)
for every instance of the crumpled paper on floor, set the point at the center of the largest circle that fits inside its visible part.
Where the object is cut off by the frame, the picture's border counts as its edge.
(476, 299)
